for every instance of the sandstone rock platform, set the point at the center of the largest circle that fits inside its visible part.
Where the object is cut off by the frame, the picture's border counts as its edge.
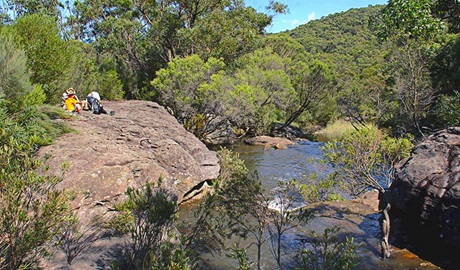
(141, 142)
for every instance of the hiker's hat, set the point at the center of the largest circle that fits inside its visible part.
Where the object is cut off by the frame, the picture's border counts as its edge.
(70, 91)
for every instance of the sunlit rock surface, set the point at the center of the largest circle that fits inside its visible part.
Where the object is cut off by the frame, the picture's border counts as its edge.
(141, 142)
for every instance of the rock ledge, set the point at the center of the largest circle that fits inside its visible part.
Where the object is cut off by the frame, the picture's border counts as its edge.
(140, 143)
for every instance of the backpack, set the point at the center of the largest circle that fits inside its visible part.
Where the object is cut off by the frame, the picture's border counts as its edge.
(95, 106)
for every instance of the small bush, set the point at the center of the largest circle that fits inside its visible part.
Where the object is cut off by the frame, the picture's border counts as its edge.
(148, 217)
(328, 253)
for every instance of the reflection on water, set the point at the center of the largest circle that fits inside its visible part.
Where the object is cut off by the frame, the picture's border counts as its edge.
(280, 165)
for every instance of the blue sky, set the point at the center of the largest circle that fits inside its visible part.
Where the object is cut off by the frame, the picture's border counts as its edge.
(303, 11)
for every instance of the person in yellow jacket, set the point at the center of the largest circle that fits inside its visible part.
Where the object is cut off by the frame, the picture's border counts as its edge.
(71, 102)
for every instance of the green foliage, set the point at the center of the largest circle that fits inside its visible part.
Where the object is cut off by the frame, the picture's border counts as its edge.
(446, 77)
(173, 257)
(409, 20)
(448, 11)
(14, 76)
(48, 55)
(241, 256)
(243, 203)
(247, 212)
(31, 214)
(366, 97)
(313, 82)
(111, 87)
(445, 113)
(262, 91)
(147, 217)
(414, 30)
(86, 75)
(346, 35)
(366, 158)
(411, 87)
(21, 8)
(232, 167)
(35, 97)
(31, 209)
(320, 186)
(346, 43)
(288, 216)
(286, 47)
(228, 34)
(329, 253)
(146, 36)
(120, 34)
(182, 87)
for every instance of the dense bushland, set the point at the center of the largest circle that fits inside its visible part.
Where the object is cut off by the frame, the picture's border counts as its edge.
(216, 68)
(391, 71)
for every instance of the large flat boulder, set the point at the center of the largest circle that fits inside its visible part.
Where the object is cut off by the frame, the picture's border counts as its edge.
(427, 188)
(140, 143)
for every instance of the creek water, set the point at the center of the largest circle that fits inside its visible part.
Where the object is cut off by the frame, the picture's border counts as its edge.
(295, 162)
(273, 166)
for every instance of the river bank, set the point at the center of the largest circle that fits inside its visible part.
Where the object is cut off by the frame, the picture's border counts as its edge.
(358, 218)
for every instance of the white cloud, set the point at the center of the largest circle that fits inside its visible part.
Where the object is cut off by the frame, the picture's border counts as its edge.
(295, 22)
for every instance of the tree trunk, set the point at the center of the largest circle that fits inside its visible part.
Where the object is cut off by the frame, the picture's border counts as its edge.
(385, 206)
(259, 255)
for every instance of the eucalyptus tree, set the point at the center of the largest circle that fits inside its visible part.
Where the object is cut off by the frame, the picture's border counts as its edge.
(366, 99)
(227, 34)
(183, 87)
(250, 98)
(20, 8)
(411, 26)
(113, 28)
(313, 80)
(313, 83)
(262, 92)
(144, 36)
(49, 58)
(288, 48)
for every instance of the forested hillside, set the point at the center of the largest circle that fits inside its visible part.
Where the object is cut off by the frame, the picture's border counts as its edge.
(375, 69)
(348, 42)
(391, 73)
(350, 34)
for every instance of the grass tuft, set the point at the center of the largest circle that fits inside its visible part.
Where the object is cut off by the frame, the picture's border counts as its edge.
(334, 131)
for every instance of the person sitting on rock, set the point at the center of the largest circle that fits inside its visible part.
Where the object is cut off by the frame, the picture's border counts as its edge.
(71, 101)
(93, 100)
